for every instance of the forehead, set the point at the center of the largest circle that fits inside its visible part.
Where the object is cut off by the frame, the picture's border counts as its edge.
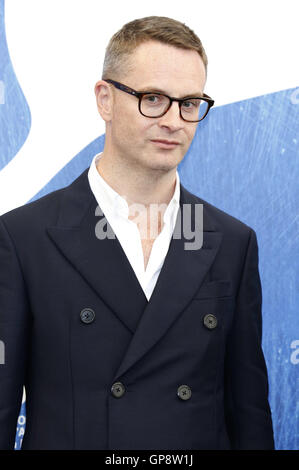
(176, 71)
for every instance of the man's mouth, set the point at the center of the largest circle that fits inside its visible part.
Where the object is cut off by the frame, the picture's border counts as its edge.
(163, 143)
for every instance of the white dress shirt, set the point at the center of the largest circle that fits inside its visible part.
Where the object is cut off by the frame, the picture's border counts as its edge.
(116, 211)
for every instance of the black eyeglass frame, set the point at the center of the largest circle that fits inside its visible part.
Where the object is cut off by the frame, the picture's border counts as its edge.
(140, 94)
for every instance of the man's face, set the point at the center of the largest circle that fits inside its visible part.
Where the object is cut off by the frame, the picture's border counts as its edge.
(175, 72)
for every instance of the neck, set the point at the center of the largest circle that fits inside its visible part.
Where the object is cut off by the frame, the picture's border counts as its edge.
(138, 185)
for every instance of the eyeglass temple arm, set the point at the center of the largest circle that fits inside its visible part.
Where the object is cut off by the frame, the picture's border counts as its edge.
(122, 87)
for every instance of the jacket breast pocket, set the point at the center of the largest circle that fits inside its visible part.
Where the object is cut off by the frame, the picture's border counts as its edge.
(214, 289)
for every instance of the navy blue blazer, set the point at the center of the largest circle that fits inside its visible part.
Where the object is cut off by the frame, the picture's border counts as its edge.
(104, 368)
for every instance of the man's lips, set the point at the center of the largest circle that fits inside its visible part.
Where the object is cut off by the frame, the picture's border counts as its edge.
(166, 142)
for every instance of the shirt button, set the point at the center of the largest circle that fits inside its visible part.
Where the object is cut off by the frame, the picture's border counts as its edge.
(184, 392)
(87, 315)
(118, 389)
(210, 321)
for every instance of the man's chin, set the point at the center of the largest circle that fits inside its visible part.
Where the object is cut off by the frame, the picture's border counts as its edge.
(157, 159)
(165, 160)
(162, 166)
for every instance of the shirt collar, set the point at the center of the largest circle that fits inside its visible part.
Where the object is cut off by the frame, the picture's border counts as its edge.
(112, 201)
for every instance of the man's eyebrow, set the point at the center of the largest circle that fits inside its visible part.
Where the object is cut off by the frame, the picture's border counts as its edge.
(158, 90)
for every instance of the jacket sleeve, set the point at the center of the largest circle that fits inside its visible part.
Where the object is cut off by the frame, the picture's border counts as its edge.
(248, 412)
(14, 328)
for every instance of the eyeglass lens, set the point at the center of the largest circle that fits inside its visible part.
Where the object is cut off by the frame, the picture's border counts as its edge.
(154, 105)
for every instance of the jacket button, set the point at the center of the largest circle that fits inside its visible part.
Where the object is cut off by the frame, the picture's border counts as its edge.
(87, 315)
(118, 389)
(210, 321)
(184, 392)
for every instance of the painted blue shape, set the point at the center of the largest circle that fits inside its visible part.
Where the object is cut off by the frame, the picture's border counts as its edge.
(15, 118)
(243, 160)
(20, 427)
(2, 92)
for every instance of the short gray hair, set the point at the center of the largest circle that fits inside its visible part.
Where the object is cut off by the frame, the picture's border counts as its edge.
(131, 35)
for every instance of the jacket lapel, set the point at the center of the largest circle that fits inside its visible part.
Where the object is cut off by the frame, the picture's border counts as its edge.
(102, 263)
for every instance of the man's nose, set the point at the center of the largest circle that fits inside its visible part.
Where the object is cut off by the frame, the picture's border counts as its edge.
(172, 118)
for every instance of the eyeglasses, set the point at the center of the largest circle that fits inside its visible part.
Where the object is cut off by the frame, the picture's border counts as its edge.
(154, 104)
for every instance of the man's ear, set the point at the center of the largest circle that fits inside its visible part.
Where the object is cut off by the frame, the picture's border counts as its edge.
(104, 97)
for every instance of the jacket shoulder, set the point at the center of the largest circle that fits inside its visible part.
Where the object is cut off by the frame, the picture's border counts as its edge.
(41, 212)
(223, 221)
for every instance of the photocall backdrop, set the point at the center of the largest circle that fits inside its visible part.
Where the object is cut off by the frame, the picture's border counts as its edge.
(243, 159)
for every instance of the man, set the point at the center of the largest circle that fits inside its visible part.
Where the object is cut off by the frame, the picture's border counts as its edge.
(124, 334)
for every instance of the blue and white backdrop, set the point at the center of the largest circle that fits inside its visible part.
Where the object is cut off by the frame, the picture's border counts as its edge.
(244, 158)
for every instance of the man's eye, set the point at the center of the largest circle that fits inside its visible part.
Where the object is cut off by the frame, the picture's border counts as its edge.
(152, 99)
(191, 104)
